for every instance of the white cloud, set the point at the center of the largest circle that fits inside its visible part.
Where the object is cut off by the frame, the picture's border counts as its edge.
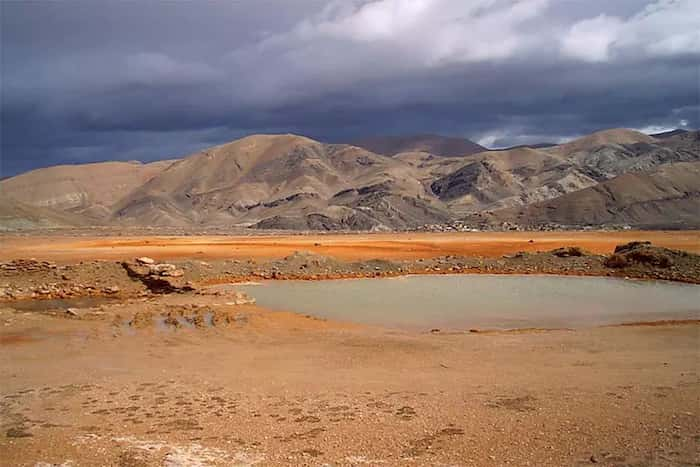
(663, 28)
(433, 31)
(357, 43)
(590, 39)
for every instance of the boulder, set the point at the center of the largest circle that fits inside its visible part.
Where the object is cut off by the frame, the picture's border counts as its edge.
(153, 277)
(174, 273)
(162, 268)
(145, 260)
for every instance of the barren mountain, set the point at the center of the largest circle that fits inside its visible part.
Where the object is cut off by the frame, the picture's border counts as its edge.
(433, 144)
(15, 215)
(666, 197)
(292, 182)
(283, 181)
(508, 178)
(87, 190)
(614, 137)
(524, 176)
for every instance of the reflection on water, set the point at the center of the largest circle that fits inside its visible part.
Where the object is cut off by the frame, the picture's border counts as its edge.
(483, 301)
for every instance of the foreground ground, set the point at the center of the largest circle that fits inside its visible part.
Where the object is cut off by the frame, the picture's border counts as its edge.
(191, 378)
(268, 388)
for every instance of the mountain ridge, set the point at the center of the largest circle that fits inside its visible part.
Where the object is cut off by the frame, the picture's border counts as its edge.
(294, 182)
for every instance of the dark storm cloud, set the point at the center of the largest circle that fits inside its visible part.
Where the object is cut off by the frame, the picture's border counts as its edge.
(96, 80)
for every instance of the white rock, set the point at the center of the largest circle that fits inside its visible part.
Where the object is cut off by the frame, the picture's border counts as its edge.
(145, 260)
(162, 268)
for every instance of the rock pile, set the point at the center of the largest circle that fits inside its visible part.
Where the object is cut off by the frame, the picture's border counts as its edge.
(158, 277)
(26, 265)
(642, 253)
(52, 290)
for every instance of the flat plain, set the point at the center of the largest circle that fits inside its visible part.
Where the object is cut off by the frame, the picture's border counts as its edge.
(203, 377)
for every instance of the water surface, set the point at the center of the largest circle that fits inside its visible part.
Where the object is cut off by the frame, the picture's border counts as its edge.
(482, 301)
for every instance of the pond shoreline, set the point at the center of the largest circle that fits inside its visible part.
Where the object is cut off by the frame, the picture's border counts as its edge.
(462, 302)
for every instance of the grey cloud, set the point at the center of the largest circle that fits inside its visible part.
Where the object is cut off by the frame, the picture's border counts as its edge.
(96, 80)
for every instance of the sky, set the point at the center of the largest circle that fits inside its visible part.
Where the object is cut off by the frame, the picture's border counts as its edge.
(93, 80)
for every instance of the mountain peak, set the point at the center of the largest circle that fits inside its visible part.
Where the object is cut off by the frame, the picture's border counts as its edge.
(615, 136)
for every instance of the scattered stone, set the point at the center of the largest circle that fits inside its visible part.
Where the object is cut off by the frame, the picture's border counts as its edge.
(145, 260)
(72, 312)
(241, 298)
(112, 290)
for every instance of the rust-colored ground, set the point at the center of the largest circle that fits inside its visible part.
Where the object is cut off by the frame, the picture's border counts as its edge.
(283, 389)
(343, 246)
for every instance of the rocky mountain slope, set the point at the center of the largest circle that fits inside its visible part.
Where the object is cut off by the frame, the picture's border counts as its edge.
(666, 197)
(283, 181)
(15, 215)
(87, 190)
(292, 182)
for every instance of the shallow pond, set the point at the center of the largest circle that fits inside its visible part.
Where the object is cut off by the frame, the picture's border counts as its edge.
(482, 301)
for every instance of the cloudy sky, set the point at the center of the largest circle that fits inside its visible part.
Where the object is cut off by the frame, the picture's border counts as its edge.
(110, 79)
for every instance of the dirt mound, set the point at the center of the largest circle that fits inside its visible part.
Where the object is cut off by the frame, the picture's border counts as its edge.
(644, 253)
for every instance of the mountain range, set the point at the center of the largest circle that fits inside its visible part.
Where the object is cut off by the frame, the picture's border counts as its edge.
(291, 182)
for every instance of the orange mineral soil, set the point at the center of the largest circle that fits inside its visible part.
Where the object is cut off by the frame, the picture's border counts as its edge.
(388, 246)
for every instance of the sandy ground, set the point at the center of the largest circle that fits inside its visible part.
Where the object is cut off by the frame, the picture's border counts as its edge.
(282, 389)
(118, 385)
(63, 248)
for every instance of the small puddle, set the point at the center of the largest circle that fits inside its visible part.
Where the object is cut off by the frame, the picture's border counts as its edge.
(184, 322)
(165, 323)
(482, 301)
(208, 319)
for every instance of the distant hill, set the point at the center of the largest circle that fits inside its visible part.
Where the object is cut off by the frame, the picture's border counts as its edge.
(83, 189)
(617, 137)
(293, 182)
(433, 144)
(531, 146)
(668, 196)
(15, 215)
